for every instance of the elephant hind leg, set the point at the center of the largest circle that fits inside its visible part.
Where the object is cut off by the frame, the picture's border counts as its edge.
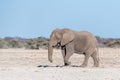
(95, 57)
(85, 62)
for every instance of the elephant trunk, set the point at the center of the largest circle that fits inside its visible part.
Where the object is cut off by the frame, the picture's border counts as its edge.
(50, 51)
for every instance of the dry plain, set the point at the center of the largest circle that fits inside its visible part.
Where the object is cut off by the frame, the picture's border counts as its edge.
(21, 64)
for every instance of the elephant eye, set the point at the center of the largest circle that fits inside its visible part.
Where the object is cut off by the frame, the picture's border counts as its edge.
(58, 36)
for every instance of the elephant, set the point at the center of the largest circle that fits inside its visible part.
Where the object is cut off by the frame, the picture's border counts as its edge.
(71, 41)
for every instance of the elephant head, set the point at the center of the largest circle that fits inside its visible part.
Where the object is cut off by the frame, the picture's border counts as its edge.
(61, 36)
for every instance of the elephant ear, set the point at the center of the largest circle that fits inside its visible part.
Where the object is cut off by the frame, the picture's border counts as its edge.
(68, 36)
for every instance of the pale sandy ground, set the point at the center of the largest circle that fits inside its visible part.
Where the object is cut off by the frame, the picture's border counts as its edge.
(20, 64)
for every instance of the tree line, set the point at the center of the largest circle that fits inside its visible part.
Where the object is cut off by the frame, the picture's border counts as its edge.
(42, 42)
(17, 42)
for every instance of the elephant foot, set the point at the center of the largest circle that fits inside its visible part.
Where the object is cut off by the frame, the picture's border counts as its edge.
(67, 64)
(83, 65)
(96, 65)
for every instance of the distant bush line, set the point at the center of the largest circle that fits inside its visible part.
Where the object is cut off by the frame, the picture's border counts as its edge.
(17, 42)
(42, 42)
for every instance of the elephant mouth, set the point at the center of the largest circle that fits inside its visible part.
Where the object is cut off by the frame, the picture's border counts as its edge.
(58, 45)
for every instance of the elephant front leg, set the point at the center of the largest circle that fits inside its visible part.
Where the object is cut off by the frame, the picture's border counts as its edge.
(69, 51)
(66, 53)
(63, 53)
(66, 60)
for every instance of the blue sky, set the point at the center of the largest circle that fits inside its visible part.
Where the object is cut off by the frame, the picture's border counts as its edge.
(34, 18)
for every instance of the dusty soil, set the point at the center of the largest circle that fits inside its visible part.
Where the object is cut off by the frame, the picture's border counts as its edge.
(20, 64)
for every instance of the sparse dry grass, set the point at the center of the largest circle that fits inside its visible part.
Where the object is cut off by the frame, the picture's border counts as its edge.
(109, 57)
(19, 61)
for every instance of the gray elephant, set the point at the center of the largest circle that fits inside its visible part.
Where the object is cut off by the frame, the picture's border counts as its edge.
(71, 41)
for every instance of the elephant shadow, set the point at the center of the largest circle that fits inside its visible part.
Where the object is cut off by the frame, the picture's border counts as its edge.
(59, 66)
